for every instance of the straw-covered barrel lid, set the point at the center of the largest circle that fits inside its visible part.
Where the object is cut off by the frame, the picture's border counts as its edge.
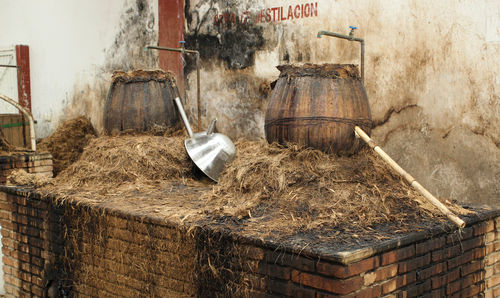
(142, 76)
(326, 70)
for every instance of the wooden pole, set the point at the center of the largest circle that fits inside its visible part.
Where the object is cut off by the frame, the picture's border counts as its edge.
(414, 183)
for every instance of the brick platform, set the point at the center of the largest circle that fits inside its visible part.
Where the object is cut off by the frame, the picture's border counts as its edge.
(103, 251)
(32, 162)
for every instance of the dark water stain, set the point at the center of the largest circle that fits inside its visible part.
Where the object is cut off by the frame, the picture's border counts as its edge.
(136, 32)
(233, 41)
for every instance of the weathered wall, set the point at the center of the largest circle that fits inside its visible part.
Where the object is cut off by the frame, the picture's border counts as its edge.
(74, 47)
(431, 76)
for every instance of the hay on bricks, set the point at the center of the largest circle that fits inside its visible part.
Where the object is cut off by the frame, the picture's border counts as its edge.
(66, 143)
(269, 190)
(289, 190)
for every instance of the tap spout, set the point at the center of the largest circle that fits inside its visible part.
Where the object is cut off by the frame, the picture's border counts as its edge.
(349, 37)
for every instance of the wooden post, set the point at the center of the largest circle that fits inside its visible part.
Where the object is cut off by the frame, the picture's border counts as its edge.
(414, 183)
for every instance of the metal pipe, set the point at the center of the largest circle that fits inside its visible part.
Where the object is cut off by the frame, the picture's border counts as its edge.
(349, 37)
(28, 115)
(12, 66)
(198, 88)
(183, 116)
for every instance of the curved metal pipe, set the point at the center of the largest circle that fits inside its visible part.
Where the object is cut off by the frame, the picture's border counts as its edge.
(198, 90)
(350, 38)
(28, 115)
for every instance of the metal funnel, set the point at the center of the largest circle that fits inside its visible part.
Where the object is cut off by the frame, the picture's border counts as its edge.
(208, 150)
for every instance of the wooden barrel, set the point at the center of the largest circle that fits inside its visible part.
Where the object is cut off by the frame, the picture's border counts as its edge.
(318, 106)
(140, 100)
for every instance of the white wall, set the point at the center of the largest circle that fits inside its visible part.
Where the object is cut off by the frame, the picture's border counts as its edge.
(70, 44)
(432, 78)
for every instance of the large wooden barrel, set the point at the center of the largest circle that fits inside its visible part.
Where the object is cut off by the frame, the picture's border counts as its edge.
(139, 100)
(318, 106)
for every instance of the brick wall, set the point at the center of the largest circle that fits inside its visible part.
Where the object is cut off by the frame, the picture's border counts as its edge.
(103, 251)
(35, 162)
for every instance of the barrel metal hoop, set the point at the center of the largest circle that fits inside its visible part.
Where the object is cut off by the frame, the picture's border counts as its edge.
(318, 120)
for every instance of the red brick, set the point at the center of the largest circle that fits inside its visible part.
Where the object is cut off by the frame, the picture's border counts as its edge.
(434, 270)
(25, 276)
(23, 256)
(480, 228)
(12, 290)
(446, 253)
(13, 280)
(489, 271)
(30, 231)
(460, 235)
(342, 286)
(8, 224)
(473, 291)
(415, 263)
(286, 288)
(493, 281)
(7, 206)
(19, 218)
(472, 243)
(274, 271)
(374, 291)
(442, 280)
(438, 293)
(294, 261)
(490, 225)
(430, 245)
(417, 289)
(490, 237)
(398, 282)
(6, 215)
(382, 273)
(20, 200)
(490, 247)
(36, 242)
(37, 291)
(466, 257)
(37, 261)
(10, 243)
(496, 267)
(11, 262)
(345, 271)
(7, 251)
(397, 255)
(492, 258)
(472, 267)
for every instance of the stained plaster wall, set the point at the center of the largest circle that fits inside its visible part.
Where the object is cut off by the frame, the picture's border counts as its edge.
(74, 48)
(432, 77)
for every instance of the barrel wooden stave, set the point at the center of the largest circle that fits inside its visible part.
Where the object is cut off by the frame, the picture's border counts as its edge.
(318, 112)
(139, 104)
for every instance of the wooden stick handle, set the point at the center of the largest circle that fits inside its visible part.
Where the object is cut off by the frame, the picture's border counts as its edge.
(414, 183)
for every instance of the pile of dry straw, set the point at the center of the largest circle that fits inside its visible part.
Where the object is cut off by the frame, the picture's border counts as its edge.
(268, 189)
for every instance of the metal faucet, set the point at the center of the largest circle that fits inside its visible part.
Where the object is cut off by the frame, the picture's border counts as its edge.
(350, 37)
(351, 33)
